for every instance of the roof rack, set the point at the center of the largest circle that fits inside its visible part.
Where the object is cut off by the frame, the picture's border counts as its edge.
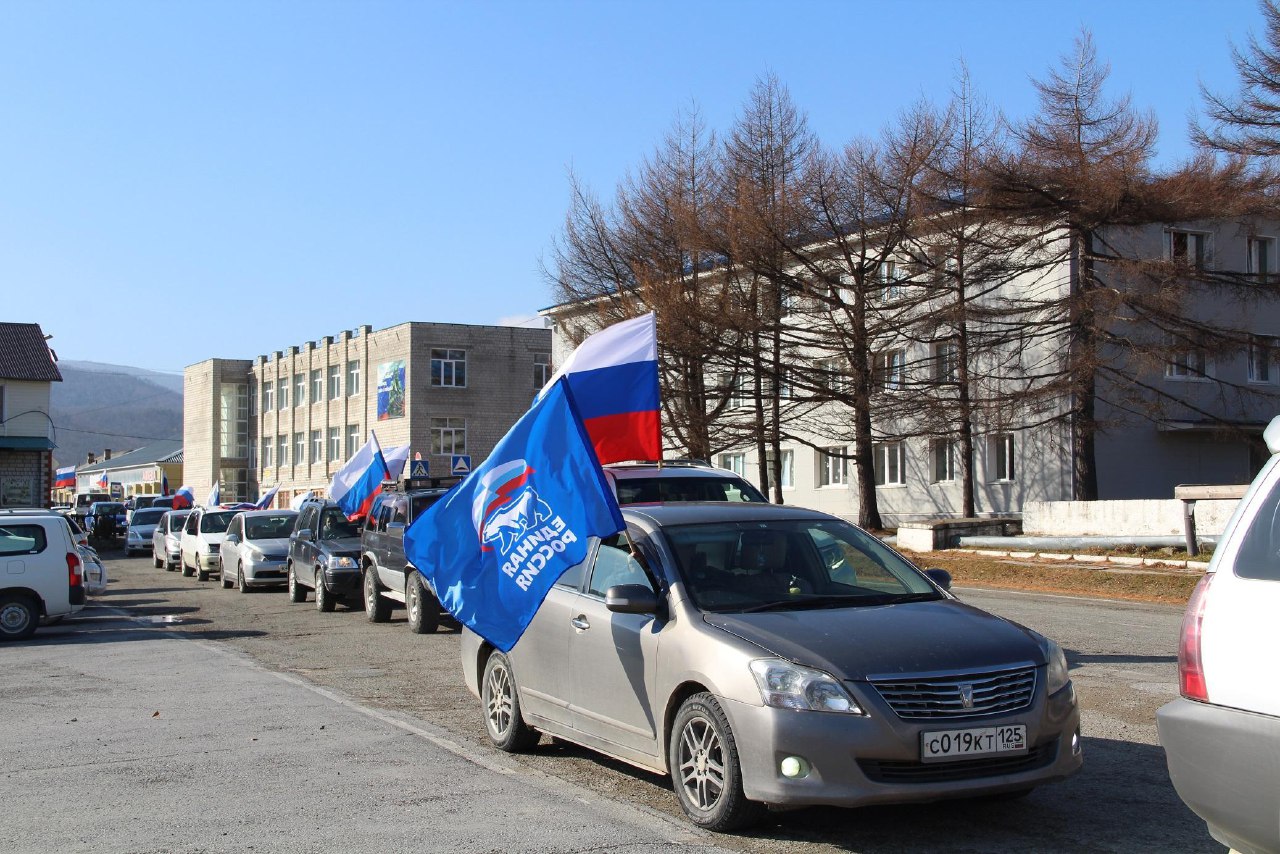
(682, 461)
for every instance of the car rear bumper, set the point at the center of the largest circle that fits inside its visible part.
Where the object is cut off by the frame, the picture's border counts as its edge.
(1225, 765)
(857, 761)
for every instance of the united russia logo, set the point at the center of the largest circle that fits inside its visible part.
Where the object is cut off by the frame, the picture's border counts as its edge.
(512, 519)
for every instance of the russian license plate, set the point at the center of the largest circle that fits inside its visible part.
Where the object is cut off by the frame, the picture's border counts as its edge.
(953, 744)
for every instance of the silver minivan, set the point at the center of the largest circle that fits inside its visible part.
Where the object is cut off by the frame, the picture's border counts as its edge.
(763, 655)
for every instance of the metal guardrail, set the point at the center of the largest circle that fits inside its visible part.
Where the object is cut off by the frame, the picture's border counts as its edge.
(1190, 493)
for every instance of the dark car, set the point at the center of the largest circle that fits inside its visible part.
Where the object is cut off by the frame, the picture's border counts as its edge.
(387, 577)
(324, 555)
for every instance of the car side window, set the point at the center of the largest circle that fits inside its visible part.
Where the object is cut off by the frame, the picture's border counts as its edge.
(371, 522)
(615, 565)
(22, 540)
(192, 521)
(400, 511)
(1259, 554)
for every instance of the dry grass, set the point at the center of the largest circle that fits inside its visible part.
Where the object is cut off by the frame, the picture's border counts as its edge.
(1139, 585)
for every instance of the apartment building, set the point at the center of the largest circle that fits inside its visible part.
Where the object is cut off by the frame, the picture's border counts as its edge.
(293, 417)
(1197, 417)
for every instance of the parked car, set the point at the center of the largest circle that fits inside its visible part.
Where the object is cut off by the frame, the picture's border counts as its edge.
(165, 501)
(677, 480)
(141, 529)
(716, 643)
(1222, 736)
(387, 577)
(105, 521)
(95, 572)
(84, 499)
(166, 540)
(50, 583)
(324, 555)
(255, 551)
(201, 538)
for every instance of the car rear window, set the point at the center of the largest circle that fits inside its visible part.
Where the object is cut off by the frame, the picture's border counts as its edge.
(147, 516)
(215, 523)
(1259, 553)
(652, 490)
(22, 540)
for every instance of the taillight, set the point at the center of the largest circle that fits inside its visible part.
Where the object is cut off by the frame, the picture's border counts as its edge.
(75, 575)
(1190, 662)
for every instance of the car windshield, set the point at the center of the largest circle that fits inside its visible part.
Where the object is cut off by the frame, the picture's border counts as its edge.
(334, 525)
(216, 523)
(104, 509)
(146, 516)
(791, 565)
(268, 527)
(651, 490)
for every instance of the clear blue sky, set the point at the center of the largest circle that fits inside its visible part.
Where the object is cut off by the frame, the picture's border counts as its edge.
(189, 179)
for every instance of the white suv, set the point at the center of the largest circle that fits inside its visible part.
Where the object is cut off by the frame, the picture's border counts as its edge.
(677, 480)
(41, 571)
(1222, 738)
(201, 538)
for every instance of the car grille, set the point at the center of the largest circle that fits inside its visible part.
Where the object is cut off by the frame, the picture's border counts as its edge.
(213, 548)
(879, 771)
(273, 558)
(933, 697)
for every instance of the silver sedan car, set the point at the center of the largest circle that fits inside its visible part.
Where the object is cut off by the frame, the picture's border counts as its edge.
(766, 655)
(255, 551)
(166, 539)
(140, 533)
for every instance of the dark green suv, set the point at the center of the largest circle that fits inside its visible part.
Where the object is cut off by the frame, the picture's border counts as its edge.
(387, 577)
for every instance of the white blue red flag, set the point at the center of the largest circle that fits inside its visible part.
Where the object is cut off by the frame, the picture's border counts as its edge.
(264, 503)
(102, 481)
(215, 495)
(613, 375)
(65, 478)
(184, 498)
(494, 545)
(359, 481)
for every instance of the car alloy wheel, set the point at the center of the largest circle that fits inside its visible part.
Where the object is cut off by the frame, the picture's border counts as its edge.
(240, 585)
(705, 769)
(324, 597)
(701, 764)
(503, 721)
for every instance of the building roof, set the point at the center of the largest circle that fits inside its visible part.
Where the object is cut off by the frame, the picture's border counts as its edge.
(163, 451)
(24, 355)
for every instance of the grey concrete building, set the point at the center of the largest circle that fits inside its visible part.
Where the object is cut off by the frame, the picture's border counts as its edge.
(293, 417)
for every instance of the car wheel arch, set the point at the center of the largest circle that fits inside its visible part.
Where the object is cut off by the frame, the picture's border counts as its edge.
(30, 594)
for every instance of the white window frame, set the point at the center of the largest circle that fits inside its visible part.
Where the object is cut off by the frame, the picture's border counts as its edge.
(268, 395)
(1001, 457)
(353, 440)
(946, 361)
(335, 382)
(890, 463)
(889, 275)
(1197, 251)
(282, 449)
(317, 446)
(942, 460)
(1191, 365)
(788, 469)
(317, 385)
(268, 445)
(541, 369)
(734, 462)
(299, 390)
(445, 432)
(353, 377)
(1262, 257)
(282, 393)
(1262, 359)
(833, 467)
(335, 443)
(890, 369)
(738, 393)
(444, 367)
(299, 448)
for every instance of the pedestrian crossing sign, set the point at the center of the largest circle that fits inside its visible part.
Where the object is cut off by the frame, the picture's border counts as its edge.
(418, 469)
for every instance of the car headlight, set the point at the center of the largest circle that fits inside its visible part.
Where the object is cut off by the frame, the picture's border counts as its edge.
(784, 685)
(342, 562)
(1056, 675)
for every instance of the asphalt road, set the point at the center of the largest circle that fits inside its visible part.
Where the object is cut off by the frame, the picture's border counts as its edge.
(1123, 660)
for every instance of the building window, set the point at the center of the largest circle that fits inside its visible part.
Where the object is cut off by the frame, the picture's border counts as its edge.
(833, 468)
(786, 388)
(253, 456)
(299, 448)
(266, 451)
(448, 435)
(888, 369)
(1000, 449)
(890, 464)
(1262, 359)
(788, 301)
(946, 362)
(335, 443)
(736, 463)
(299, 390)
(738, 396)
(1192, 364)
(233, 421)
(449, 368)
(788, 469)
(1262, 257)
(253, 397)
(889, 275)
(282, 393)
(353, 378)
(335, 382)
(282, 449)
(317, 446)
(834, 375)
(353, 439)
(268, 396)
(317, 385)
(541, 369)
(944, 460)
(233, 485)
(1188, 247)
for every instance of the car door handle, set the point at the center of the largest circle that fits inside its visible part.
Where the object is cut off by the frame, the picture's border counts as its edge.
(580, 622)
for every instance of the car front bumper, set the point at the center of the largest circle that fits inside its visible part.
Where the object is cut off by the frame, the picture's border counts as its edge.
(343, 582)
(874, 759)
(1225, 765)
(265, 573)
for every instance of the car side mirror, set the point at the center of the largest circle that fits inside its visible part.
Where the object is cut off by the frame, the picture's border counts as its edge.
(940, 577)
(304, 534)
(232, 538)
(631, 599)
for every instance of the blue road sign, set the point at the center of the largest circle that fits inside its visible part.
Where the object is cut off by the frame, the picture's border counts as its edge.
(418, 469)
(460, 464)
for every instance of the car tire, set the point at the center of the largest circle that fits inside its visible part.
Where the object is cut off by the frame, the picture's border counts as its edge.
(324, 597)
(701, 740)
(202, 574)
(421, 606)
(297, 593)
(157, 561)
(501, 701)
(222, 576)
(240, 585)
(187, 571)
(376, 606)
(19, 616)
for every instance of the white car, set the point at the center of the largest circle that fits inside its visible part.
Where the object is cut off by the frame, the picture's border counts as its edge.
(142, 527)
(44, 575)
(95, 573)
(202, 538)
(1222, 737)
(166, 540)
(677, 480)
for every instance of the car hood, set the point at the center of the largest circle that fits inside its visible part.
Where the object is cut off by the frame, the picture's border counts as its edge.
(345, 547)
(914, 637)
(211, 538)
(273, 546)
(144, 530)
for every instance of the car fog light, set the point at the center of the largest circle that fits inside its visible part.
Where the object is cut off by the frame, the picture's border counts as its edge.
(794, 767)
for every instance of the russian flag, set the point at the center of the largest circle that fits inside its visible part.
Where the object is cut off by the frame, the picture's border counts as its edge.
(65, 478)
(184, 498)
(102, 482)
(613, 376)
(264, 503)
(359, 481)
